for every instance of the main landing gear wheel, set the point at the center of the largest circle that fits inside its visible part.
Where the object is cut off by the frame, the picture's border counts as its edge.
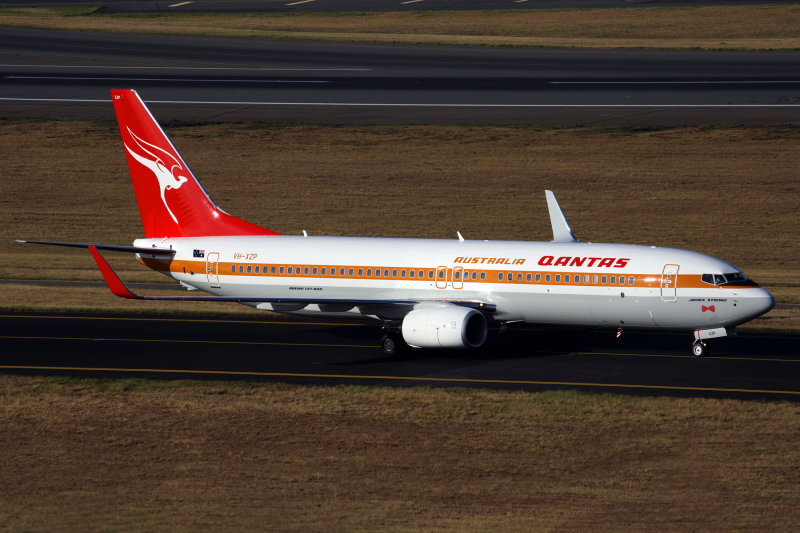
(699, 349)
(391, 344)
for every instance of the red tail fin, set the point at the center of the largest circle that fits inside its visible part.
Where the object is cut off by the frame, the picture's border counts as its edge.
(172, 202)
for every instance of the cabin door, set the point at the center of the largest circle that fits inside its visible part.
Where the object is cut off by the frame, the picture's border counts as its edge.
(212, 269)
(669, 283)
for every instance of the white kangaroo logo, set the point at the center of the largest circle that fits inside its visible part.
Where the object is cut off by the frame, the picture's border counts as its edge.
(164, 165)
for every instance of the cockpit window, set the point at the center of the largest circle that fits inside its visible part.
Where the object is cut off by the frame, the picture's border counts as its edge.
(732, 278)
(735, 277)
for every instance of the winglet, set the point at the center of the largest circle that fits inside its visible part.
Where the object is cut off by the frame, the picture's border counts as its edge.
(561, 230)
(113, 281)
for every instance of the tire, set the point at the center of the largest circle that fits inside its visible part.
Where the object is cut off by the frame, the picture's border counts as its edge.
(391, 344)
(699, 349)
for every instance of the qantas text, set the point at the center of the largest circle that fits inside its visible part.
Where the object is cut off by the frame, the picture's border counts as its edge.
(601, 262)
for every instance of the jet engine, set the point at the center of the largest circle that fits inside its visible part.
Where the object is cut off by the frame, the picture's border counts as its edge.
(444, 326)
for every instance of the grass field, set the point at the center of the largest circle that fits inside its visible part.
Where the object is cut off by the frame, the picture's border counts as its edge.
(767, 27)
(185, 456)
(730, 192)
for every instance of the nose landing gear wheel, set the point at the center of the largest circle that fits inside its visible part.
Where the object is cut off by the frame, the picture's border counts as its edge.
(699, 349)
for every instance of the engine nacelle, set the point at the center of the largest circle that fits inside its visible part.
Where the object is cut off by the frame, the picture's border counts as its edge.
(444, 326)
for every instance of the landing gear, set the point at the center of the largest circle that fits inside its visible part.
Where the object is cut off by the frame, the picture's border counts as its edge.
(699, 349)
(393, 344)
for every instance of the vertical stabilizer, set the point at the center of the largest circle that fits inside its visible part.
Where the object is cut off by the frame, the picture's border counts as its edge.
(561, 230)
(171, 201)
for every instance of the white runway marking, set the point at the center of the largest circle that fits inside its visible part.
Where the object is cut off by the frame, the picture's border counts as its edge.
(666, 82)
(179, 4)
(248, 69)
(192, 80)
(300, 2)
(389, 104)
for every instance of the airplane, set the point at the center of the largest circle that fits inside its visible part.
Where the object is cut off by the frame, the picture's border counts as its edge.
(425, 293)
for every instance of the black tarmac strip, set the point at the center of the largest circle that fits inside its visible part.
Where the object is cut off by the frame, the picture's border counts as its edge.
(759, 366)
(58, 74)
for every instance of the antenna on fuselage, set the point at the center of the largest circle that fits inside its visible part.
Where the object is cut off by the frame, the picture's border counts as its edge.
(561, 230)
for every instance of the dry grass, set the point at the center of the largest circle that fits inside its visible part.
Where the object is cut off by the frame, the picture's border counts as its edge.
(176, 456)
(774, 27)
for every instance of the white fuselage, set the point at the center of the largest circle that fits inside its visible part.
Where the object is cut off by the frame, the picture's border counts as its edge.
(552, 283)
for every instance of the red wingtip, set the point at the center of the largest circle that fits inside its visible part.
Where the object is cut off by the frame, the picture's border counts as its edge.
(116, 285)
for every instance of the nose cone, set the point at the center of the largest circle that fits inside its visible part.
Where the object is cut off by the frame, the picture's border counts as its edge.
(759, 303)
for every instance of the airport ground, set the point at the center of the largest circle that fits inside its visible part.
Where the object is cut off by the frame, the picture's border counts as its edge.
(182, 456)
(152, 454)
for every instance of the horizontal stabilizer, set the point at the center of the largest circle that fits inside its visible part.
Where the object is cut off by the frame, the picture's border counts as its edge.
(110, 247)
(561, 230)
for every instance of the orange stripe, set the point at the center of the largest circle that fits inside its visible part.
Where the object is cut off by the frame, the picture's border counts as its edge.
(684, 281)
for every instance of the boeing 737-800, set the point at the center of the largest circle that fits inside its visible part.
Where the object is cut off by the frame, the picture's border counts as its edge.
(426, 293)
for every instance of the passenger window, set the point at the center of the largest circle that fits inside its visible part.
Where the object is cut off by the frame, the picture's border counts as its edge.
(547, 278)
(305, 271)
(457, 275)
(430, 274)
(421, 274)
(323, 271)
(360, 272)
(249, 269)
(586, 278)
(441, 274)
(394, 273)
(630, 280)
(474, 275)
(258, 269)
(528, 277)
(538, 278)
(341, 271)
(377, 272)
(410, 273)
(594, 280)
(603, 280)
(233, 269)
(566, 278)
(281, 270)
(241, 269)
(289, 270)
(483, 275)
(314, 271)
(402, 273)
(613, 280)
(558, 278)
(369, 272)
(500, 276)
(350, 272)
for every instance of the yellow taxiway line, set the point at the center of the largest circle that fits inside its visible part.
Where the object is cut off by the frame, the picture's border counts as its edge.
(472, 381)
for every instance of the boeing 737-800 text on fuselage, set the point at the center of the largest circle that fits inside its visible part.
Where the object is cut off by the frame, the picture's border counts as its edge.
(427, 293)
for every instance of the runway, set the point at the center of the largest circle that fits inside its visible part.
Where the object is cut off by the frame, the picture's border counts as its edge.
(67, 75)
(751, 366)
